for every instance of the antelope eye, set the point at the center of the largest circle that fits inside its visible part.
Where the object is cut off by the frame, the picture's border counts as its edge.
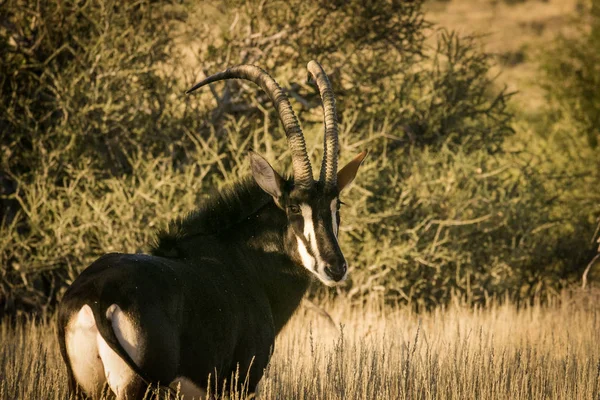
(294, 209)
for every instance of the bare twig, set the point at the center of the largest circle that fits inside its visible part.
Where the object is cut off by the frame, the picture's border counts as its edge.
(321, 312)
(596, 233)
(587, 270)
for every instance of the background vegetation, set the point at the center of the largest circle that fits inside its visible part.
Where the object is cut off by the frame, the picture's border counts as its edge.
(463, 193)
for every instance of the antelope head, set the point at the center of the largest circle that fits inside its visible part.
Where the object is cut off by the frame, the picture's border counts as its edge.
(311, 207)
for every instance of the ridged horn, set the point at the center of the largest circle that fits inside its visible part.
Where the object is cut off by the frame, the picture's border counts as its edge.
(328, 173)
(300, 162)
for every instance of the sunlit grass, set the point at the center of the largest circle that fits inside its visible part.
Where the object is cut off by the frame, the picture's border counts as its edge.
(385, 352)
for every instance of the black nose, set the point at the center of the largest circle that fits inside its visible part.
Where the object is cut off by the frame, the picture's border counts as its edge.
(336, 273)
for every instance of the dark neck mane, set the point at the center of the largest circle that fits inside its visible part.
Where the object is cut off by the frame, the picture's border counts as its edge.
(220, 212)
(245, 221)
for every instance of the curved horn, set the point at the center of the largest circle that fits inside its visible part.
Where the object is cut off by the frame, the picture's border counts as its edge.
(300, 162)
(330, 142)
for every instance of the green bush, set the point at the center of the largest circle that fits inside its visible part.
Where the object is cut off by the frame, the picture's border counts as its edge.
(84, 78)
(449, 223)
(383, 73)
(570, 121)
(572, 74)
(104, 147)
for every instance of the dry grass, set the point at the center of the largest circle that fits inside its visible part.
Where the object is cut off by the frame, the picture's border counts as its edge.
(500, 351)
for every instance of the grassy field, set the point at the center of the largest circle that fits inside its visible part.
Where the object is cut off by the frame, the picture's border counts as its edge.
(383, 352)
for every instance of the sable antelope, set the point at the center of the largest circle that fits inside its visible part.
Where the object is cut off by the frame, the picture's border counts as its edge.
(221, 283)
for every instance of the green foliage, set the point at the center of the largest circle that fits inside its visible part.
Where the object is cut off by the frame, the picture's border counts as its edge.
(103, 147)
(572, 74)
(379, 64)
(449, 223)
(83, 78)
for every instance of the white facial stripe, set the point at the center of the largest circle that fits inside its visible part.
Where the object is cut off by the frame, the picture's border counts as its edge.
(334, 216)
(307, 260)
(309, 234)
(309, 229)
(313, 262)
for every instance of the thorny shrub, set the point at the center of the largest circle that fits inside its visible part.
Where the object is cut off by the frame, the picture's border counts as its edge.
(101, 146)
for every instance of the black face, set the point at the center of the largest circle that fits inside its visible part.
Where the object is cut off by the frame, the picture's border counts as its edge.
(313, 216)
(314, 219)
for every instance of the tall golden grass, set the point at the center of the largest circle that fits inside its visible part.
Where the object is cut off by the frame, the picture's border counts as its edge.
(377, 351)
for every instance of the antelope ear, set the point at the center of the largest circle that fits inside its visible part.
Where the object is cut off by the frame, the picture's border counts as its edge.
(347, 174)
(265, 175)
